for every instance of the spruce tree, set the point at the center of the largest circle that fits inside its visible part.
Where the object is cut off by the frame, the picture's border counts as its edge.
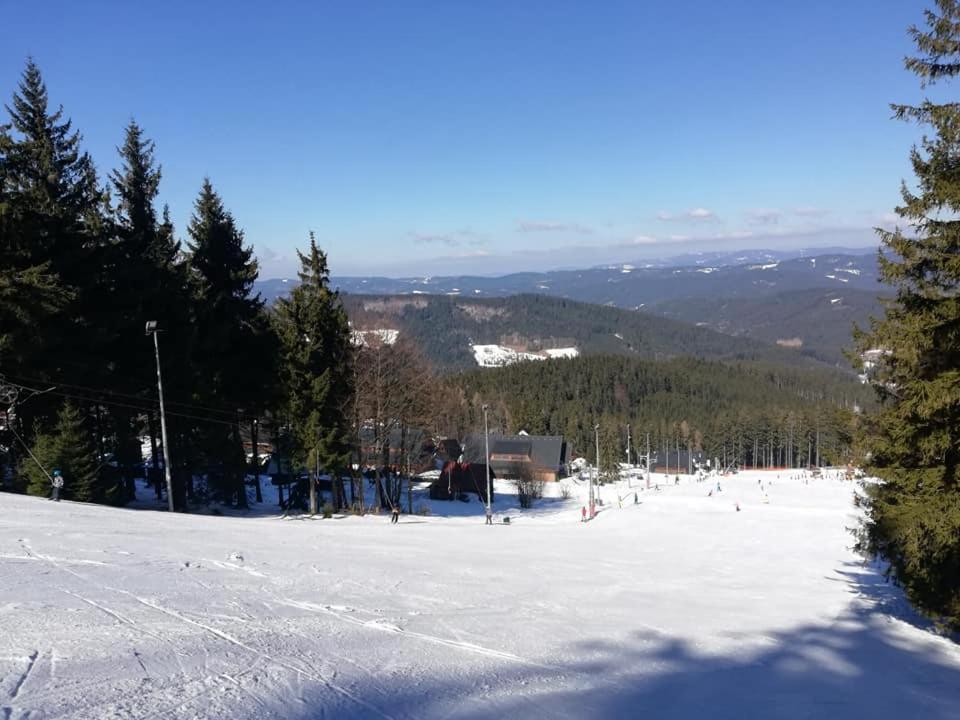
(69, 449)
(51, 220)
(914, 439)
(229, 324)
(45, 451)
(78, 457)
(316, 354)
(146, 280)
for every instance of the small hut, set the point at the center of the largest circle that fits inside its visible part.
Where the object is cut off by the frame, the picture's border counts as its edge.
(459, 480)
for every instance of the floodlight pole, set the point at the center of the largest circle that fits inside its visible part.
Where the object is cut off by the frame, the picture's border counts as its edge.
(151, 329)
(593, 512)
(630, 473)
(648, 461)
(486, 444)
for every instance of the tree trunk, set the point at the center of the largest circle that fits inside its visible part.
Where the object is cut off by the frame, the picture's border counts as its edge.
(313, 485)
(154, 460)
(240, 469)
(255, 442)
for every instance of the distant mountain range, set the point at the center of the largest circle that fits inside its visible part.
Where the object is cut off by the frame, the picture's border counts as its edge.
(783, 306)
(460, 333)
(633, 285)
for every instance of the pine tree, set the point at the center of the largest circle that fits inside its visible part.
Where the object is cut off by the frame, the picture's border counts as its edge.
(611, 452)
(315, 368)
(51, 224)
(77, 457)
(45, 452)
(230, 324)
(51, 229)
(68, 449)
(914, 439)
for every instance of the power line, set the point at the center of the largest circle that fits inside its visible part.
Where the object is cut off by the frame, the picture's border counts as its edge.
(226, 411)
(113, 403)
(153, 404)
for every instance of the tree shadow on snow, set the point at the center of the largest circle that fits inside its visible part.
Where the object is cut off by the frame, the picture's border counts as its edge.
(861, 664)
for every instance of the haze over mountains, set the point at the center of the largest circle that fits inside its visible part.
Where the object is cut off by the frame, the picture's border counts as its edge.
(780, 304)
(749, 272)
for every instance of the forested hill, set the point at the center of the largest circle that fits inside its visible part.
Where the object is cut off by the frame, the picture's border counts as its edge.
(817, 322)
(445, 328)
(746, 411)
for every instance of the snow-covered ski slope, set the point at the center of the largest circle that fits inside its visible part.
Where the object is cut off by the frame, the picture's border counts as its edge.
(678, 607)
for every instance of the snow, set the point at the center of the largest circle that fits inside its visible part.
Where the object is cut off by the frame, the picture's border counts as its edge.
(498, 355)
(387, 336)
(568, 352)
(834, 301)
(768, 266)
(706, 270)
(676, 607)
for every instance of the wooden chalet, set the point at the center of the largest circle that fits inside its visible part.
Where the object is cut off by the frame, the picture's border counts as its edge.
(461, 479)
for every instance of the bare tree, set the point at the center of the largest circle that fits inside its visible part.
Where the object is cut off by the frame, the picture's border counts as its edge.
(392, 406)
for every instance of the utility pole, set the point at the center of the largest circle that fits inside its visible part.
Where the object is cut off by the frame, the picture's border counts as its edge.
(648, 461)
(596, 430)
(151, 329)
(629, 465)
(628, 446)
(818, 442)
(486, 442)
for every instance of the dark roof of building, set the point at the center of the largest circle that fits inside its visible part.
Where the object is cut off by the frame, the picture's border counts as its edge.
(547, 451)
(510, 446)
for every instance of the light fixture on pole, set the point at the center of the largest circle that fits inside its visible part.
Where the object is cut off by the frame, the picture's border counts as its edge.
(486, 443)
(628, 445)
(151, 329)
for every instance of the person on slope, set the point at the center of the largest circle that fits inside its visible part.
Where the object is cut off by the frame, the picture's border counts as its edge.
(394, 514)
(57, 483)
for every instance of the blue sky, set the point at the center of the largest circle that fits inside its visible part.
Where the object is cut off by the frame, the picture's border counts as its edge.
(451, 137)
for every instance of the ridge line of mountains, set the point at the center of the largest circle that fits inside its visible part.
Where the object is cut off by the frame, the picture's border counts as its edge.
(789, 307)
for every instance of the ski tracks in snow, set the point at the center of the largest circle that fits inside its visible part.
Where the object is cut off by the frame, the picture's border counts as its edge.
(343, 614)
(316, 676)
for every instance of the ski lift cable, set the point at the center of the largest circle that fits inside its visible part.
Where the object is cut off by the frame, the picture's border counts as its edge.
(30, 452)
(129, 396)
(141, 408)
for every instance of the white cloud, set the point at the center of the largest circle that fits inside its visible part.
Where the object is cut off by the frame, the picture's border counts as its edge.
(698, 213)
(451, 239)
(470, 254)
(546, 226)
(810, 211)
(763, 216)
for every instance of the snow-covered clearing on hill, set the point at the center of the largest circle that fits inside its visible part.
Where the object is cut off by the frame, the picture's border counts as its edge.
(677, 607)
(498, 355)
(387, 336)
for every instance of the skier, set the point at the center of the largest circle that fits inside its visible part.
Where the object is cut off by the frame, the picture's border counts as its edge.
(583, 514)
(489, 520)
(394, 515)
(57, 485)
(738, 506)
(636, 500)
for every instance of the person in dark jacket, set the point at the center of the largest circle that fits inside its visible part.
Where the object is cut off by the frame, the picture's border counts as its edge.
(57, 483)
